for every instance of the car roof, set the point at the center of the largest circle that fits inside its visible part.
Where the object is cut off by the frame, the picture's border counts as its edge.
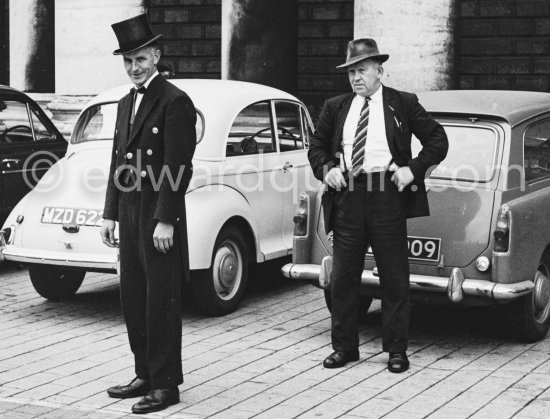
(512, 106)
(202, 91)
(8, 88)
(11, 90)
(219, 101)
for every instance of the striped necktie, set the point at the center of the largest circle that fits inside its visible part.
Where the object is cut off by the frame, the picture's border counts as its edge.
(358, 150)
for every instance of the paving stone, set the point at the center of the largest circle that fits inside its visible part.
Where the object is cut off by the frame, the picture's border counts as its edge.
(261, 402)
(280, 411)
(264, 360)
(419, 406)
(373, 408)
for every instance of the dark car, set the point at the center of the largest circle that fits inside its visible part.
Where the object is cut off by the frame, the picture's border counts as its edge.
(29, 145)
(487, 240)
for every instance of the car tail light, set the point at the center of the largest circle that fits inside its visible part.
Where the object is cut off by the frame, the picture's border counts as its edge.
(502, 230)
(482, 263)
(300, 218)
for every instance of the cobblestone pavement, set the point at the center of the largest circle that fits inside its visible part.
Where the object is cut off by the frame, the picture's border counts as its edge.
(263, 361)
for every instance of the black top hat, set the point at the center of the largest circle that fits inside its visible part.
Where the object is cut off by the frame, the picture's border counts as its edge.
(361, 49)
(133, 34)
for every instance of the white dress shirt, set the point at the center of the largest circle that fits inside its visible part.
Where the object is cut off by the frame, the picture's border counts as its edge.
(377, 152)
(139, 96)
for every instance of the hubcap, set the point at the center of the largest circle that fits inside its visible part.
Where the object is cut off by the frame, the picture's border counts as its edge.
(541, 295)
(227, 270)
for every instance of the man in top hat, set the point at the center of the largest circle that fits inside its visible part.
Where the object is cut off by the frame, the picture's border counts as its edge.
(361, 150)
(150, 171)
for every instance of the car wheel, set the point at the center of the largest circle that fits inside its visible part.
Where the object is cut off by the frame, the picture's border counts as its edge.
(531, 314)
(54, 283)
(218, 290)
(364, 304)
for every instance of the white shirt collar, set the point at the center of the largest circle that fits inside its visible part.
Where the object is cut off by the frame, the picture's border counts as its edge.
(377, 96)
(150, 79)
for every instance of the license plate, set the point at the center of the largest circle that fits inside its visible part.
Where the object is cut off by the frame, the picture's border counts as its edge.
(421, 248)
(72, 216)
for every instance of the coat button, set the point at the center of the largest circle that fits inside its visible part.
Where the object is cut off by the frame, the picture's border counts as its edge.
(143, 173)
(129, 155)
(149, 152)
(155, 130)
(116, 151)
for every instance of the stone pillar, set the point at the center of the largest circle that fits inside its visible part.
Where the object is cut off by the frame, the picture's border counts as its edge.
(418, 36)
(260, 42)
(32, 54)
(84, 44)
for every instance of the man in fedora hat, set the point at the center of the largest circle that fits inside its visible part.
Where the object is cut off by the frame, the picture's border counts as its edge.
(361, 150)
(150, 171)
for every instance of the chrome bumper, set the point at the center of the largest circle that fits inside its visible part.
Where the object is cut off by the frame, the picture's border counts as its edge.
(456, 286)
(88, 261)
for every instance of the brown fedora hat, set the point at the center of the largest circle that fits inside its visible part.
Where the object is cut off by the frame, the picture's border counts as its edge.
(361, 49)
(133, 34)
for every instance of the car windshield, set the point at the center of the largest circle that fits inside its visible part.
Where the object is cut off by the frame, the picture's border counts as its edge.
(98, 123)
(471, 156)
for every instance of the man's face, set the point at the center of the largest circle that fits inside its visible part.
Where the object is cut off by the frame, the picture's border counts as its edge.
(141, 64)
(365, 76)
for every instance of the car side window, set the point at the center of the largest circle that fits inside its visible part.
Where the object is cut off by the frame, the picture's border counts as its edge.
(40, 130)
(15, 126)
(251, 131)
(536, 150)
(289, 126)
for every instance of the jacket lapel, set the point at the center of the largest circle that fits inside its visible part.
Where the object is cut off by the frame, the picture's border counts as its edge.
(389, 118)
(125, 111)
(148, 102)
(341, 119)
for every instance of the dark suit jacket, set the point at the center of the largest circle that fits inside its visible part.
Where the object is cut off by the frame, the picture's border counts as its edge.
(403, 116)
(159, 147)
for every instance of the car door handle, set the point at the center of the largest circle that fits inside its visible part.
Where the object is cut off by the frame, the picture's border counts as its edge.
(287, 165)
(8, 161)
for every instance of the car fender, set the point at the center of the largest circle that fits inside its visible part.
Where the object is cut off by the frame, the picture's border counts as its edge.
(529, 236)
(208, 208)
(16, 211)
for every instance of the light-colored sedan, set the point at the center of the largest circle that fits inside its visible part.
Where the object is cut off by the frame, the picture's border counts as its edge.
(487, 240)
(249, 167)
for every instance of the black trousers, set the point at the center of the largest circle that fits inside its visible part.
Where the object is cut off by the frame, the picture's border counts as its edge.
(370, 211)
(150, 286)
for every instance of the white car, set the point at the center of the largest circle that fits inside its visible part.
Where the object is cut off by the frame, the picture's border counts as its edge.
(249, 167)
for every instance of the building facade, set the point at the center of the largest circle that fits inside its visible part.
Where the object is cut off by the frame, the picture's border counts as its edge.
(63, 48)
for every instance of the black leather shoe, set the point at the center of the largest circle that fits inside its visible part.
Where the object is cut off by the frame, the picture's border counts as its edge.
(398, 362)
(136, 388)
(157, 400)
(340, 358)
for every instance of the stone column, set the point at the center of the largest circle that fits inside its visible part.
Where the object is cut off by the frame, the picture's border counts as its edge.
(418, 36)
(32, 53)
(84, 44)
(260, 42)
